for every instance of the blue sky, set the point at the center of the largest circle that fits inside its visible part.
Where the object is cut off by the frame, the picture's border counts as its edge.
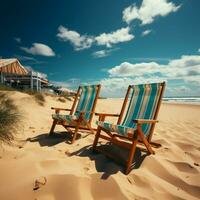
(115, 42)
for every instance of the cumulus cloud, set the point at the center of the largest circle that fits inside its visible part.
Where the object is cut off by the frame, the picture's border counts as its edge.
(39, 49)
(78, 41)
(199, 50)
(117, 86)
(138, 69)
(182, 76)
(149, 10)
(186, 68)
(146, 32)
(81, 42)
(103, 53)
(120, 35)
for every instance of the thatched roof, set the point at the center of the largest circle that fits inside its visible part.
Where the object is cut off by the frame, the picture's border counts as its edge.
(12, 66)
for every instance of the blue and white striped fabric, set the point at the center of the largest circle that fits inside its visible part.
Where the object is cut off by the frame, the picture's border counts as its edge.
(85, 104)
(67, 118)
(143, 103)
(86, 101)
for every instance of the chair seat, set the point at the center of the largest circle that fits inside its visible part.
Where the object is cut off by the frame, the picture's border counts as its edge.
(120, 129)
(65, 118)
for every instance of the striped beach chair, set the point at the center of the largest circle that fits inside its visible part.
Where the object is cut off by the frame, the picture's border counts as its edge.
(81, 113)
(137, 125)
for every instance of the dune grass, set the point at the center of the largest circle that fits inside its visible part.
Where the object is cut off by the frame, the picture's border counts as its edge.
(10, 119)
(39, 97)
(5, 88)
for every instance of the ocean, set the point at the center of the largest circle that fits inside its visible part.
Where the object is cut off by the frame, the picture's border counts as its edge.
(187, 100)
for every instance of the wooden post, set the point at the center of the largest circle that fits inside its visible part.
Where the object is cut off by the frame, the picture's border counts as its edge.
(31, 80)
(2, 77)
(37, 82)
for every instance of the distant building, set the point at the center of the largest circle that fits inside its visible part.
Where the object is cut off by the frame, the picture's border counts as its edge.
(15, 75)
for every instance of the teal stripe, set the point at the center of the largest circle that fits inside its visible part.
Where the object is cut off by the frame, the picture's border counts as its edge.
(90, 102)
(136, 111)
(152, 104)
(143, 104)
(121, 130)
(107, 125)
(68, 118)
(82, 100)
(130, 106)
(86, 101)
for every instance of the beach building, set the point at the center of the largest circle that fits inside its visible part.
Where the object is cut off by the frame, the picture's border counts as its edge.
(15, 75)
(11, 66)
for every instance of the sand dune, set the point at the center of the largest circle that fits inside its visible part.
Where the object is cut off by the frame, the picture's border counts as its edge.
(44, 168)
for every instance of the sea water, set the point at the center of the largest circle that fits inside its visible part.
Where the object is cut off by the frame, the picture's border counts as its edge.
(190, 100)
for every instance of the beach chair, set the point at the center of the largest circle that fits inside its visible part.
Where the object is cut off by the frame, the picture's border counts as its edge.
(81, 117)
(138, 123)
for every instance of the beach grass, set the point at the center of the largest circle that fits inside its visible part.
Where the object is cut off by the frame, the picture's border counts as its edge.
(39, 97)
(10, 119)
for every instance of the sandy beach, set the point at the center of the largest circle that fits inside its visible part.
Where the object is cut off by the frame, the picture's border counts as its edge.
(64, 171)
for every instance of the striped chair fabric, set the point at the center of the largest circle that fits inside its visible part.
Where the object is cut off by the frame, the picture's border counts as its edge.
(85, 104)
(143, 104)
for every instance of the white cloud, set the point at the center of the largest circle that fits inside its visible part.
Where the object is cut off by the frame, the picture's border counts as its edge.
(186, 68)
(146, 32)
(182, 76)
(120, 35)
(117, 86)
(103, 53)
(138, 69)
(79, 42)
(149, 10)
(199, 50)
(39, 49)
(17, 39)
(100, 54)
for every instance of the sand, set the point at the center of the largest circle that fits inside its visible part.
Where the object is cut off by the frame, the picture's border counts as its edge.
(45, 169)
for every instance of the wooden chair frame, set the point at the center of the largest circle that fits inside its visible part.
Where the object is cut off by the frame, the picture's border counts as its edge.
(77, 123)
(130, 141)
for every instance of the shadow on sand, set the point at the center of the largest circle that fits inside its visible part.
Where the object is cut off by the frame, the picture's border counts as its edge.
(45, 139)
(102, 163)
(107, 165)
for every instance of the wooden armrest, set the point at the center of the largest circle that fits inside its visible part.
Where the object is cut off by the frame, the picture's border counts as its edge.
(65, 109)
(145, 121)
(84, 112)
(107, 114)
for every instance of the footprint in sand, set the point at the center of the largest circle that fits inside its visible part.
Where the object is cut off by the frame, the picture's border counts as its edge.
(86, 169)
(67, 153)
(30, 127)
(41, 181)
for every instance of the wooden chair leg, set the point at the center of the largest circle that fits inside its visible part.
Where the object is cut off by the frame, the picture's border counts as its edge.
(89, 127)
(75, 133)
(96, 138)
(53, 127)
(131, 155)
(146, 143)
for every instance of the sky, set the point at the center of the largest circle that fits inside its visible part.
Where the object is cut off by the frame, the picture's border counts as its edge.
(115, 43)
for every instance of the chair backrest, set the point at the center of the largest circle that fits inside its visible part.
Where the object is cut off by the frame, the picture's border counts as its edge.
(144, 104)
(87, 97)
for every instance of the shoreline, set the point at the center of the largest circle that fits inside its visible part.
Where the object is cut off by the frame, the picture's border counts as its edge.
(165, 102)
